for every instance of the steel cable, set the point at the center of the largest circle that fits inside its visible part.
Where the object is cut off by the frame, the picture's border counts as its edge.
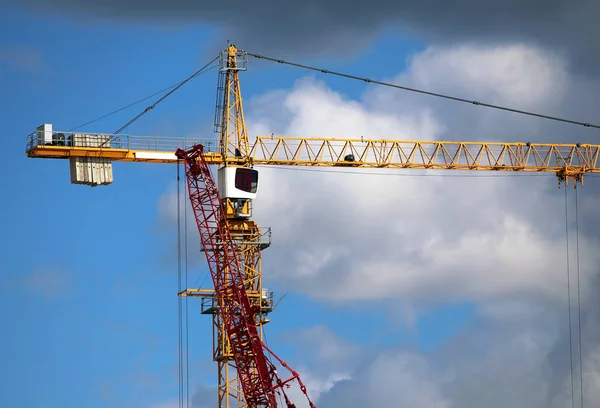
(439, 95)
(569, 299)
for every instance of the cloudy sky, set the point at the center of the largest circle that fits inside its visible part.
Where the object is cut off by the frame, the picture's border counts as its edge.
(404, 288)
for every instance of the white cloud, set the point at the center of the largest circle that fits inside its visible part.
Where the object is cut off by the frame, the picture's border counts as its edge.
(394, 378)
(497, 366)
(515, 75)
(355, 236)
(508, 74)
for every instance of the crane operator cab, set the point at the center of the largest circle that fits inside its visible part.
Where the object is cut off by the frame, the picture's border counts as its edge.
(237, 188)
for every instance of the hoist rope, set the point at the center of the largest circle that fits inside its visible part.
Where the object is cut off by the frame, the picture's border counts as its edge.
(579, 331)
(569, 299)
(183, 314)
(179, 313)
(578, 292)
(187, 320)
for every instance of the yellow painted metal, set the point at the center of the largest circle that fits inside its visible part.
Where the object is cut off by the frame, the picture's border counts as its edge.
(118, 155)
(567, 160)
(415, 154)
(249, 243)
(198, 292)
(230, 211)
(233, 140)
(247, 237)
(233, 145)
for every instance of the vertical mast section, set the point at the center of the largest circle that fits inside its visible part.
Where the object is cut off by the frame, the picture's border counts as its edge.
(233, 143)
(236, 310)
(229, 113)
(257, 374)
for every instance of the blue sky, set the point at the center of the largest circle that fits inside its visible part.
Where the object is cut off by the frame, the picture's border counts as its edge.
(89, 306)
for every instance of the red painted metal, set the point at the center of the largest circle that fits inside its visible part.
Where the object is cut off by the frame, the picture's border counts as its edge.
(258, 376)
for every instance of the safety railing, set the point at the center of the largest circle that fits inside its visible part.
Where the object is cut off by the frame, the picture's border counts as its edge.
(120, 141)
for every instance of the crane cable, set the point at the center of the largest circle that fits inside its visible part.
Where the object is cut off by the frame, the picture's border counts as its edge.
(202, 70)
(578, 292)
(162, 98)
(187, 319)
(183, 322)
(569, 299)
(578, 298)
(89, 122)
(405, 88)
(179, 300)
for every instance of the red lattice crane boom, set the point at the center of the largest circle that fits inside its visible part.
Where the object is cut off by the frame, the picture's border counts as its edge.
(258, 376)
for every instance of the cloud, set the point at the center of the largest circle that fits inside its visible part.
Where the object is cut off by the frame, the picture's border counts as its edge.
(512, 73)
(400, 377)
(46, 281)
(326, 359)
(318, 27)
(19, 58)
(391, 379)
(516, 75)
(496, 363)
(498, 242)
(365, 236)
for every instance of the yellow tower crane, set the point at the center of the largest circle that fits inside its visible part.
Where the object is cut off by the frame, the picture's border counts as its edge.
(91, 156)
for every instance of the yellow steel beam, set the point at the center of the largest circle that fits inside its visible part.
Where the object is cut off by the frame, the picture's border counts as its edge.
(119, 155)
(195, 292)
(569, 158)
(413, 154)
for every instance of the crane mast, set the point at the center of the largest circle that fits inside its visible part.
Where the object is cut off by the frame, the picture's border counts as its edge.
(237, 185)
(229, 112)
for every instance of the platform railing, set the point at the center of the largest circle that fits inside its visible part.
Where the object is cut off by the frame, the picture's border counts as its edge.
(121, 141)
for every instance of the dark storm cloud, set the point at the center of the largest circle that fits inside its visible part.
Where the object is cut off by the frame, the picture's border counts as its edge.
(285, 28)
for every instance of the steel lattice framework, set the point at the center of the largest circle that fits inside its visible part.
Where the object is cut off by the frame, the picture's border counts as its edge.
(257, 375)
(566, 160)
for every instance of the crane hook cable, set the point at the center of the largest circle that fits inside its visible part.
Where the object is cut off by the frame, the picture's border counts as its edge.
(405, 88)
(187, 318)
(183, 311)
(179, 321)
(578, 293)
(569, 299)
